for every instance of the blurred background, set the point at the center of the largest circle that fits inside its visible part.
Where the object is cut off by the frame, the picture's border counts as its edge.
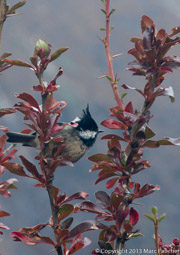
(76, 24)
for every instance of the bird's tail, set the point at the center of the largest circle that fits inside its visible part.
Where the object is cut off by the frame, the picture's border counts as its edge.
(25, 139)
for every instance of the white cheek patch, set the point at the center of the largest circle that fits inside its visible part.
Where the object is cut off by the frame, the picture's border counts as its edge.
(88, 134)
(77, 119)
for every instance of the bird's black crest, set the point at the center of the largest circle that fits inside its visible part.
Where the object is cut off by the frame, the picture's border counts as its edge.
(87, 122)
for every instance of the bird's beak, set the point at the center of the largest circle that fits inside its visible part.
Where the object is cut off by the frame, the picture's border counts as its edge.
(100, 131)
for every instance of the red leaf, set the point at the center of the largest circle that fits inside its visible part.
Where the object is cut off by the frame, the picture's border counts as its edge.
(38, 88)
(83, 227)
(78, 243)
(103, 198)
(4, 111)
(109, 236)
(111, 183)
(105, 176)
(161, 34)
(88, 206)
(112, 136)
(30, 167)
(4, 214)
(78, 195)
(28, 98)
(26, 131)
(133, 216)
(121, 214)
(148, 189)
(146, 22)
(145, 190)
(175, 30)
(128, 87)
(4, 129)
(129, 108)
(31, 239)
(17, 62)
(2, 226)
(116, 200)
(134, 52)
(6, 185)
(2, 141)
(114, 124)
(15, 168)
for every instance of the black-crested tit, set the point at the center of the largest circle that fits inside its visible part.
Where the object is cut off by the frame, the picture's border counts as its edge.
(78, 136)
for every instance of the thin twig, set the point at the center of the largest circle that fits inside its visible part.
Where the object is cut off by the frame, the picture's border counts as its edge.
(9, 148)
(156, 237)
(109, 57)
(119, 246)
(49, 179)
(2, 18)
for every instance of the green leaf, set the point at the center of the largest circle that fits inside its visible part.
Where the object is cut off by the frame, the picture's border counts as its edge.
(149, 216)
(103, 1)
(111, 12)
(109, 78)
(102, 29)
(17, 62)
(67, 223)
(56, 54)
(135, 235)
(151, 144)
(170, 141)
(123, 158)
(16, 6)
(111, 27)
(162, 217)
(5, 55)
(154, 210)
(99, 157)
(65, 210)
(103, 11)
(149, 133)
(136, 39)
(123, 95)
(34, 61)
(43, 48)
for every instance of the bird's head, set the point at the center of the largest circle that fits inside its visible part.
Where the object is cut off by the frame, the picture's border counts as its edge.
(87, 127)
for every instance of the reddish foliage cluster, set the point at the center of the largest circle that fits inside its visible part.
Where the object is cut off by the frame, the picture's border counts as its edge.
(125, 150)
(43, 119)
(64, 235)
(5, 157)
(172, 248)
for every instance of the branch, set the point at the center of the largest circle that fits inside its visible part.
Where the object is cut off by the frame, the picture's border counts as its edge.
(54, 210)
(49, 179)
(2, 18)
(109, 58)
(156, 238)
(119, 246)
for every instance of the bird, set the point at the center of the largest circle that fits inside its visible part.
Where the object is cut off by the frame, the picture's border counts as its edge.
(77, 137)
